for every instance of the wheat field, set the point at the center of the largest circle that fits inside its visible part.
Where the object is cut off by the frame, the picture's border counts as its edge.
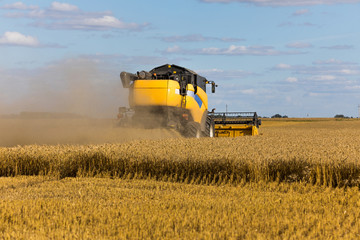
(103, 208)
(297, 180)
(322, 153)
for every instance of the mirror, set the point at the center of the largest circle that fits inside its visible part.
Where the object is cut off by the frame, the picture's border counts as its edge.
(213, 87)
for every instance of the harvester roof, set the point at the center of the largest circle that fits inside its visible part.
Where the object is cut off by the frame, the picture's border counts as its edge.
(168, 71)
(163, 69)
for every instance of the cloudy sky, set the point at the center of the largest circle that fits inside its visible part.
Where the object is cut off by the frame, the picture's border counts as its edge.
(298, 57)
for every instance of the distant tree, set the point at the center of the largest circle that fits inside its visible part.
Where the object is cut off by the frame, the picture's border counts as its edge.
(276, 116)
(285, 116)
(339, 116)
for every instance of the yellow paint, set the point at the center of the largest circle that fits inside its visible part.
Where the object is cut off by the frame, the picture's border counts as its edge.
(191, 104)
(167, 93)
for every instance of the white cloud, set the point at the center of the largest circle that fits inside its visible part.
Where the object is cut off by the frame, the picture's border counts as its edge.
(349, 71)
(91, 23)
(57, 6)
(209, 71)
(284, 2)
(340, 47)
(323, 78)
(299, 45)
(185, 38)
(291, 24)
(291, 79)
(283, 66)
(245, 50)
(198, 38)
(109, 21)
(323, 70)
(318, 94)
(67, 16)
(301, 12)
(19, 6)
(248, 91)
(236, 49)
(329, 61)
(356, 87)
(225, 39)
(173, 49)
(232, 91)
(232, 50)
(220, 74)
(18, 39)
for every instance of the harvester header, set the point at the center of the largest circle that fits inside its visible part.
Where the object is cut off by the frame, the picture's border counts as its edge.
(234, 124)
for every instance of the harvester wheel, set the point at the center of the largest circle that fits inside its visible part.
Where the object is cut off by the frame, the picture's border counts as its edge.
(192, 130)
(209, 127)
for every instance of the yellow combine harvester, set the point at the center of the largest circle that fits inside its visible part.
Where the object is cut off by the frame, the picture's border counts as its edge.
(235, 124)
(168, 96)
(173, 96)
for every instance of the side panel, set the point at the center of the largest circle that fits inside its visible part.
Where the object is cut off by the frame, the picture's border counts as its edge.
(154, 93)
(196, 103)
(158, 93)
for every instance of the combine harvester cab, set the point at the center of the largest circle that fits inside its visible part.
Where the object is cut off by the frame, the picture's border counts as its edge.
(235, 124)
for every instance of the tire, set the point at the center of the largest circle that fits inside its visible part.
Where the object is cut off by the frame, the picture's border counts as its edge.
(192, 130)
(209, 127)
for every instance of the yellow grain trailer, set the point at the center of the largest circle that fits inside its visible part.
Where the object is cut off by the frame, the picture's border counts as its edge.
(235, 124)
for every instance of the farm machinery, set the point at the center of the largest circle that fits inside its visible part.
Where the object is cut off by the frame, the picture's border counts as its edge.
(175, 97)
(235, 124)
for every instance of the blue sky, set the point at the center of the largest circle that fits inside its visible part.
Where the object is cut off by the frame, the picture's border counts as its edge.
(298, 58)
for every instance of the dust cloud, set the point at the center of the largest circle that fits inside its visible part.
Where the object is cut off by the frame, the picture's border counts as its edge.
(79, 86)
(74, 101)
(17, 131)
